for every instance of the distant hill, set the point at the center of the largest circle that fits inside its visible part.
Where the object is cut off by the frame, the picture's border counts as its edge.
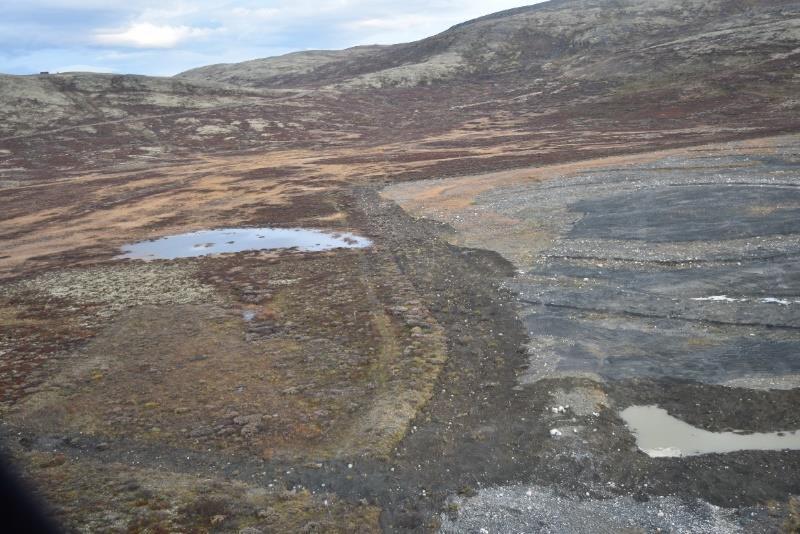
(560, 76)
(29, 103)
(586, 41)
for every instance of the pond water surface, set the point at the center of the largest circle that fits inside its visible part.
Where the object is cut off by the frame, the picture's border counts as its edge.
(228, 240)
(660, 435)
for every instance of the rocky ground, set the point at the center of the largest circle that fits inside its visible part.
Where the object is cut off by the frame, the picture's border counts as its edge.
(620, 268)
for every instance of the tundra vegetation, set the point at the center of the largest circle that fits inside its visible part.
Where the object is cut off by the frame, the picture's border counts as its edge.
(573, 208)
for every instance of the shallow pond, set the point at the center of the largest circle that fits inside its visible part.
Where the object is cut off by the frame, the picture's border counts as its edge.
(228, 240)
(659, 435)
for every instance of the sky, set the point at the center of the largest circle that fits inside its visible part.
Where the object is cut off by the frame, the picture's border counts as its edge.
(163, 38)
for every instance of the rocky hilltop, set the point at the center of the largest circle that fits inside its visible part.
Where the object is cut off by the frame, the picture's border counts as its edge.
(584, 41)
(30, 103)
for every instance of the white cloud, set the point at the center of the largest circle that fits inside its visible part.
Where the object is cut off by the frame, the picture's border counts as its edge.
(260, 13)
(163, 37)
(390, 23)
(147, 35)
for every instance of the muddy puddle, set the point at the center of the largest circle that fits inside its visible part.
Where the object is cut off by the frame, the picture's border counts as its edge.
(660, 435)
(229, 240)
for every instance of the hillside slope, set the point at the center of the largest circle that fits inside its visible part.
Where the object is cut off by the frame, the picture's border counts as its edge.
(31, 103)
(602, 41)
(563, 79)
